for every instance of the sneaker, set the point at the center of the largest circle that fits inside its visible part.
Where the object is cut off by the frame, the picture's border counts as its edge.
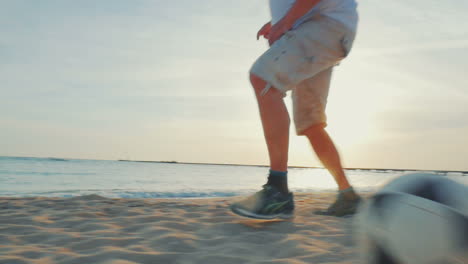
(269, 203)
(345, 204)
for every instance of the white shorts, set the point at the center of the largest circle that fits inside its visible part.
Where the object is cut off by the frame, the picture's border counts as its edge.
(301, 61)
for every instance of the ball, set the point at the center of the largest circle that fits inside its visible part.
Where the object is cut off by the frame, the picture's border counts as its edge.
(415, 219)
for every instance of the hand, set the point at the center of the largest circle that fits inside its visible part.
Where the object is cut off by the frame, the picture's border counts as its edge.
(264, 31)
(277, 31)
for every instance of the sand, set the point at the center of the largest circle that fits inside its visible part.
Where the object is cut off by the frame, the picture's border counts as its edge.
(94, 229)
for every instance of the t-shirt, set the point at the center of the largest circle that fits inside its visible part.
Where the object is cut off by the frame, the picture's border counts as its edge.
(343, 11)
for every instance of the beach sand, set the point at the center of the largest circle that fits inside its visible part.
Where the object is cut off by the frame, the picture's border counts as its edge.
(94, 229)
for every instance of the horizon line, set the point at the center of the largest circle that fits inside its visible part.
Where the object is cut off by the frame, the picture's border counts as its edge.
(236, 164)
(303, 167)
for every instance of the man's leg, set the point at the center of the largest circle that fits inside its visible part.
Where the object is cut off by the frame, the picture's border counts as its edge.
(309, 101)
(275, 121)
(274, 200)
(327, 153)
(347, 201)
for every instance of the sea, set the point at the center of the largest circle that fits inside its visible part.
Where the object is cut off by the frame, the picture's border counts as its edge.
(56, 177)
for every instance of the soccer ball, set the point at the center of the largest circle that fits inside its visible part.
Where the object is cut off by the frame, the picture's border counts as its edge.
(415, 219)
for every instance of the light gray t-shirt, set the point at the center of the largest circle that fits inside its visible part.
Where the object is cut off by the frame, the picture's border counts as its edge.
(344, 11)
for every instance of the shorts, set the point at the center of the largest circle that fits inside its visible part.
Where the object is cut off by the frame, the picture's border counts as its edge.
(301, 61)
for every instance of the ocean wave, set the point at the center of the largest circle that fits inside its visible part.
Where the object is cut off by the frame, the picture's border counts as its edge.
(126, 194)
(45, 173)
(32, 158)
(135, 194)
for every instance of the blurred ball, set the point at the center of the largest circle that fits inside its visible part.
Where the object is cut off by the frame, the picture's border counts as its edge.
(415, 219)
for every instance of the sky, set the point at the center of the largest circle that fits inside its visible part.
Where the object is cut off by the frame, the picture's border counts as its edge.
(168, 81)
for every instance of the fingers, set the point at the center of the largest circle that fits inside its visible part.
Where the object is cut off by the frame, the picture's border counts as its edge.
(264, 31)
(272, 38)
(261, 33)
(264, 34)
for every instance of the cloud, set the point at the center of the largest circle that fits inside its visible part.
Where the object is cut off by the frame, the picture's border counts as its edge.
(406, 48)
(153, 74)
(424, 116)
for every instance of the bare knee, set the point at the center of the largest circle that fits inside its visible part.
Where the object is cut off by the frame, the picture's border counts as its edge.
(315, 132)
(257, 83)
(259, 86)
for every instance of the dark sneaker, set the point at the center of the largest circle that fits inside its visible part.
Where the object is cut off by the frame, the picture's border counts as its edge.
(345, 204)
(268, 203)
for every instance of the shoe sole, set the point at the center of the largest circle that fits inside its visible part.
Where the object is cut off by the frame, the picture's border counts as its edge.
(325, 213)
(245, 213)
(349, 212)
(352, 210)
